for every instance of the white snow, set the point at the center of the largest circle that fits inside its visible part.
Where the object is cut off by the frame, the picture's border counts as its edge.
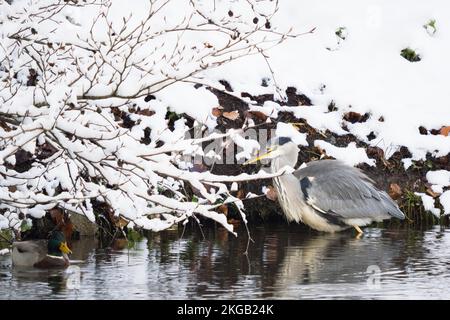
(4, 223)
(269, 108)
(351, 154)
(407, 162)
(184, 98)
(365, 71)
(439, 179)
(4, 252)
(289, 131)
(428, 204)
(445, 201)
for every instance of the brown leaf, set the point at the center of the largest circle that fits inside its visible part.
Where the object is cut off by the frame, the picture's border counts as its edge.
(121, 223)
(234, 222)
(216, 112)
(117, 113)
(12, 188)
(445, 131)
(233, 115)
(395, 191)
(271, 193)
(223, 209)
(57, 216)
(4, 126)
(240, 194)
(146, 112)
(117, 221)
(258, 115)
(432, 193)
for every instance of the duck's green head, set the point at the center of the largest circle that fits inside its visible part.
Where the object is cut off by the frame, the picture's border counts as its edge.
(57, 244)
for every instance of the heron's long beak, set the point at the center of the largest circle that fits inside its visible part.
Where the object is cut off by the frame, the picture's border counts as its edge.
(266, 155)
(64, 248)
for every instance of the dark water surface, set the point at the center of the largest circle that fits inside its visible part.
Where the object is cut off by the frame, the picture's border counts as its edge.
(286, 262)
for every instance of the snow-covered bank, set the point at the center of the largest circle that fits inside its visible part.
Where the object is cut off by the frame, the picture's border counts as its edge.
(353, 59)
(96, 100)
(364, 72)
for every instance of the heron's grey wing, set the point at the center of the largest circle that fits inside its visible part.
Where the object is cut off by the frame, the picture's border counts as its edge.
(335, 188)
(39, 247)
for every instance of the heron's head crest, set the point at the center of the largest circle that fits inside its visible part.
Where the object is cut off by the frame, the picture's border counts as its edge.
(283, 140)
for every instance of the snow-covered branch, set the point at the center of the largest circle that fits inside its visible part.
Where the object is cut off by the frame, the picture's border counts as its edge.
(78, 119)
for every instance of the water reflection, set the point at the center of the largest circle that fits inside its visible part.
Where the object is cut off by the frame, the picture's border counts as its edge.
(283, 262)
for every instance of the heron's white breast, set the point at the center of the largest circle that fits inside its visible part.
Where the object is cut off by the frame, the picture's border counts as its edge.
(291, 200)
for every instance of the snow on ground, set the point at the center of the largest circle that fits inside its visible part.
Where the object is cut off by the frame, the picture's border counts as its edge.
(428, 204)
(351, 155)
(364, 72)
(439, 179)
(288, 130)
(445, 201)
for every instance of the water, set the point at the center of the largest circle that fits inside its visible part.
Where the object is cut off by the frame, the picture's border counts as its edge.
(285, 262)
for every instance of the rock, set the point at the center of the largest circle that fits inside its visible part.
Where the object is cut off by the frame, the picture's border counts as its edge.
(83, 225)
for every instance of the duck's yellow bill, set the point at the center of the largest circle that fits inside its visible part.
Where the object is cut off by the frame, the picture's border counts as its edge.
(64, 248)
(263, 156)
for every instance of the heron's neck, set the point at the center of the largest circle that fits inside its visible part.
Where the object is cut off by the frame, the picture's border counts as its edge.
(283, 161)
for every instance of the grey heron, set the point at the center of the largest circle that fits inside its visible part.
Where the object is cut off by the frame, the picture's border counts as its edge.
(327, 195)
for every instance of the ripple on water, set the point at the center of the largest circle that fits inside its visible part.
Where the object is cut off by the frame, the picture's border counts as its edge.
(284, 262)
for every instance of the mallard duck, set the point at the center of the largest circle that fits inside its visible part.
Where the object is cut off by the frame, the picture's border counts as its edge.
(52, 253)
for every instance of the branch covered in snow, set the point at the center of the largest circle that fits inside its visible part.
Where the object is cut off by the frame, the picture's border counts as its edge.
(79, 120)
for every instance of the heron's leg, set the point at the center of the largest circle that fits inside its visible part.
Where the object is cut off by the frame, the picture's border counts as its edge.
(358, 229)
